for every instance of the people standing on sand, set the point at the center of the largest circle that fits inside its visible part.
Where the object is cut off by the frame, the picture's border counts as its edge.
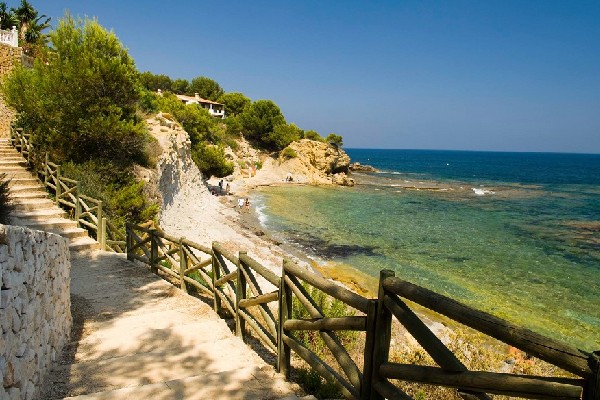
(227, 189)
(240, 203)
(247, 203)
(221, 186)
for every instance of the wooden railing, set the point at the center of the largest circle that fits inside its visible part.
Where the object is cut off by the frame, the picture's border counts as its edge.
(261, 301)
(261, 304)
(87, 211)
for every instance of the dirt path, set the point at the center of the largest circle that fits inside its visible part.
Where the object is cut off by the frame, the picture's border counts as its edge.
(135, 336)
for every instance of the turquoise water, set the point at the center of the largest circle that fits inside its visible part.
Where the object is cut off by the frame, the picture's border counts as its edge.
(527, 250)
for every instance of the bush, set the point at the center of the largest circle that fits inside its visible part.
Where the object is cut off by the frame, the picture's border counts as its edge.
(211, 160)
(123, 198)
(313, 135)
(334, 139)
(259, 121)
(288, 153)
(283, 135)
(6, 206)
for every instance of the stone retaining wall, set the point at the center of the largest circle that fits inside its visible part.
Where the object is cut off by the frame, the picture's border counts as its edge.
(35, 307)
(9, 57)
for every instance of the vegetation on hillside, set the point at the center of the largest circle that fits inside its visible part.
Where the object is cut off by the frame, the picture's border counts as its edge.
(82, 99)
(80, 106)
(261, 121)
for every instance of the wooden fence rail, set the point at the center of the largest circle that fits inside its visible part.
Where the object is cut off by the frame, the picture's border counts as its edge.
(262, 304)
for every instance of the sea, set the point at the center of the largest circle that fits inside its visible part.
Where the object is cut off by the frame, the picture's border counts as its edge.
(516, 235)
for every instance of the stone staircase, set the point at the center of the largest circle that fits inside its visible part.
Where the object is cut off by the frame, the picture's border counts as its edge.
(33, 207)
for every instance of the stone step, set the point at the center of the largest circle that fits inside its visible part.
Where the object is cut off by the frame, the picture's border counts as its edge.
(22, 189)
(83, 243)
(54, 225)
(42, 214)
(239, 384)
(28, 181)
(10, 159)
(15, 174)
(29, 204)
(32, 193)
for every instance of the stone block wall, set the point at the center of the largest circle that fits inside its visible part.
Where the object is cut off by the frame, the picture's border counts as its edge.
(35, 308)
(9, 57)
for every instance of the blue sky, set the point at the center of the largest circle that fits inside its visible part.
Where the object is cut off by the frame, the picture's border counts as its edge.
(472, 75)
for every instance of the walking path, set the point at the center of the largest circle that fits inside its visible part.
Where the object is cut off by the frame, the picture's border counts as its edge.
(135, 336)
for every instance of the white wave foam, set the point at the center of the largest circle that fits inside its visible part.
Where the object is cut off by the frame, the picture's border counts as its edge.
(482, 192)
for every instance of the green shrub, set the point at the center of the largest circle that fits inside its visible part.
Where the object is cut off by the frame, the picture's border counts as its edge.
(211, 160)
(313, 135)
(334, 139)
(122, 197)
(6, 206)
(288, 153)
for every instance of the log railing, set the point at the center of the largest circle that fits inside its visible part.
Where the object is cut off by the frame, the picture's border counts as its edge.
(87, 211)
(261, 303)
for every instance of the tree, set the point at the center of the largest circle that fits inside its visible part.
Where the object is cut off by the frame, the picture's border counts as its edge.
(211, 160)
(7, 18)
(180, 86)
(206, 88)
(260, 119)
(31, 26)
(334, 139)
(283, 135)
(81, 102)
(154, 82)
(313, 135)
(235, 103)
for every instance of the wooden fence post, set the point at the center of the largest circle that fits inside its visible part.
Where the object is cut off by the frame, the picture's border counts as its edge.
(99, 230)
(240, 294)
(128, 242)
(77, 203)
(58, 189)
(365, 389)
(182, 265)
(383, 333)
(46, 171)
(285, 313)
(591, 391)
(153, 252)
(104, 233)
(216, 274)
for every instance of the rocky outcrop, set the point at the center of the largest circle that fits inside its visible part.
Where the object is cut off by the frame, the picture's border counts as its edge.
(358, 167)
(324, 157)
(35, 307)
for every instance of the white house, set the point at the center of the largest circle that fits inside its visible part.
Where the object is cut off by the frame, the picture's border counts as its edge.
(10, 37)
(215, 109)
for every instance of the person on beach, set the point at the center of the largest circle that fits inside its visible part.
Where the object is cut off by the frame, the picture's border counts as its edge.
(240, 203)
(227, 189)
(221, 186)
(247, 203)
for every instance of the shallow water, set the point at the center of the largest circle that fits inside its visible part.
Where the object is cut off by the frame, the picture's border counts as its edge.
(529, 252)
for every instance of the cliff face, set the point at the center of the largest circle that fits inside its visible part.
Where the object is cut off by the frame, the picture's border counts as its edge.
(322, 156)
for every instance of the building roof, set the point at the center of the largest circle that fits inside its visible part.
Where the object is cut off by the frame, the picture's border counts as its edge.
(196, 98)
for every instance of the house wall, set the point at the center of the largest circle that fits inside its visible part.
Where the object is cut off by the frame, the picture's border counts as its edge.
(9, 58)
(35, 308)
